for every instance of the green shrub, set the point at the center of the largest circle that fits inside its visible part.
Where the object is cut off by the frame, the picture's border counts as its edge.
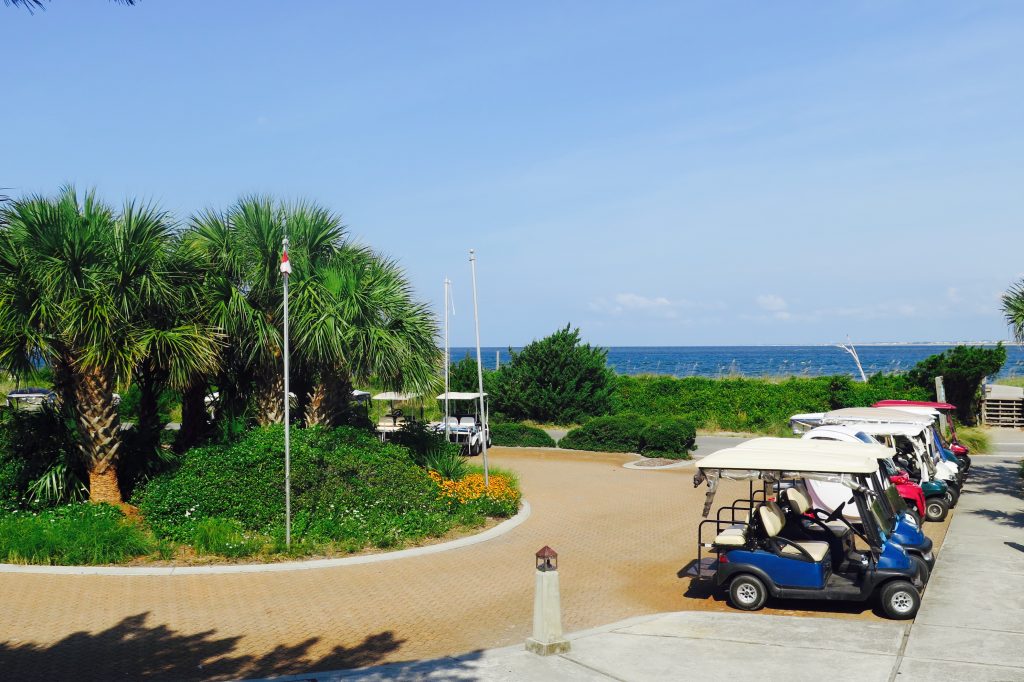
(346, 487)
(462, 376)
(614, 433)
(671, 437)
(555, 380)
(448, 462)
(39, 466)
(166, 401)
(76, 534)
(962, 368)
(224, 537)
(974, 439)
(512, 434)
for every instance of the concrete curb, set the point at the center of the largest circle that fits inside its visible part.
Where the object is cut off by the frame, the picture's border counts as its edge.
(489, 534)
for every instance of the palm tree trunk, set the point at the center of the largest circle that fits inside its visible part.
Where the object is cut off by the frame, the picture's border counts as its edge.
(99, 433)
(317, 413)
(269, 400)
(193, 416)
(149, 417)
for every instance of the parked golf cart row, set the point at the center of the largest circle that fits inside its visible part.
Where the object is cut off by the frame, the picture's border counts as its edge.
(462, 422)
(919, 449)
(834, 517)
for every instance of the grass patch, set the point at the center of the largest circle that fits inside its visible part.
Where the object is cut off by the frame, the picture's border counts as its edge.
(974, 439)
(77, 534)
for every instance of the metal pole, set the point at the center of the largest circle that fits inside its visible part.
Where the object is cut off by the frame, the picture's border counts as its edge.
(447, 362)
(287, 424)
(479, 367)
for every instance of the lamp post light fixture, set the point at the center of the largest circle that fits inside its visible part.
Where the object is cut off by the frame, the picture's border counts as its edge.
(547, 559)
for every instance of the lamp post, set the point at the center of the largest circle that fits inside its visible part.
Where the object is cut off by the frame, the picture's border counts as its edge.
(547, 608)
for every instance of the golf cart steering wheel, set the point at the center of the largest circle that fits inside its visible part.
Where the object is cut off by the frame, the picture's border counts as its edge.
(837, 513)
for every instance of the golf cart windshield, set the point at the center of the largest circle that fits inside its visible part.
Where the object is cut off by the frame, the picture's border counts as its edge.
(883, 521)
(895, 501)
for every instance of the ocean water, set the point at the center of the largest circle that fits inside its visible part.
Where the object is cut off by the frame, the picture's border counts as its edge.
(760, 361)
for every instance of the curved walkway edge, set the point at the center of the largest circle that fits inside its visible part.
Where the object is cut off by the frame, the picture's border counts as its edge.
(489, 534)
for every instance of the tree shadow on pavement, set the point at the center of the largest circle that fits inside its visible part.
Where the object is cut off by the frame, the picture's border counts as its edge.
(1014, 519)
(133, 650)
(1001, 479)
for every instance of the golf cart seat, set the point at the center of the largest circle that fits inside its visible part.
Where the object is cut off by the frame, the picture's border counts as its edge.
(800, 503)
(467, 421)
(733, 536)
(774, 520)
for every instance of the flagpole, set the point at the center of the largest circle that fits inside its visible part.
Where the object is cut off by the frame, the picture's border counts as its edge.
(447, 362)
(285, 271)
(479, 367)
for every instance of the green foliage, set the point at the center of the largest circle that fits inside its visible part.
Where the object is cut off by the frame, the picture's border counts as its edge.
(76, 534)
(670, 437)
(448, 462)
(962, 368)
(667, 436)
(751, 405)
(976, 440)
(512, 434)
(555, 380)
(422, 441)
(224, 537)
(347, 487)
(128, 408)
(38, 462)
(462, 376)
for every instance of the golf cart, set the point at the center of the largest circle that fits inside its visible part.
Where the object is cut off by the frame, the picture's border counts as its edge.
(465, 426)
(948, 410)
(963, 461)
(790, 551)
(834, 500)
(30, 398)
(914, 442)
(911, 493)
(395, 418)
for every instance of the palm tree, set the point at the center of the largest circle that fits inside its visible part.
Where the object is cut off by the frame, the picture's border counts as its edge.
(357, 319)
(78, 286)
(1013, 309)
(241, 251)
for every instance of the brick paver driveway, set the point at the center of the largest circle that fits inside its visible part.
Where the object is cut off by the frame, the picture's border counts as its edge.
(622, 536)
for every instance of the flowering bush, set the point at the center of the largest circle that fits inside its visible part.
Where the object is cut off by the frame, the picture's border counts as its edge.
(500, 498)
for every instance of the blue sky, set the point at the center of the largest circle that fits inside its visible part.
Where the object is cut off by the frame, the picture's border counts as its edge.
(656, 173)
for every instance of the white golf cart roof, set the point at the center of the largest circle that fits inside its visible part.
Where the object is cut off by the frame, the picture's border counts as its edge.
(917, 410)
(395, 395)
(794, 455)
(874, 414)
(822, 433)
(459, 395)
(885, 428)
(360, 396)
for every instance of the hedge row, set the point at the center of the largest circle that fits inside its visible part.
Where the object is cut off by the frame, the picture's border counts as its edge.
(512, 434)
(756, 405)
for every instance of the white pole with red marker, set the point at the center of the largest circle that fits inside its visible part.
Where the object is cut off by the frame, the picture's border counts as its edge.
(286, 269)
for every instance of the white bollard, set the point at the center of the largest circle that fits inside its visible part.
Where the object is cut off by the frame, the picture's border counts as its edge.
(547, 608)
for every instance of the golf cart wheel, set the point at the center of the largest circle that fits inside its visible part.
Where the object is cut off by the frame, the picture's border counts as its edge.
(474, 450)
(900, 600)
(936, 508)
(952, 496)
(923, 572)
(747, 593)
(912, 513)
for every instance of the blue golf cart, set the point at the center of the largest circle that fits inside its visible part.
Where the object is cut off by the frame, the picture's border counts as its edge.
(760, 548)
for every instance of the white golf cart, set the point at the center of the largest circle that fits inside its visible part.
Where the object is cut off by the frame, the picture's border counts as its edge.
(465, 425)
(395, 418)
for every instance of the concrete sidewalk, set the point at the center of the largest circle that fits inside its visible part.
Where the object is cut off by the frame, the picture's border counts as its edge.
(971, 624)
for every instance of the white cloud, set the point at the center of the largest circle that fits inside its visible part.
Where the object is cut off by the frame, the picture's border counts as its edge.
(653, 306)
(771, 303)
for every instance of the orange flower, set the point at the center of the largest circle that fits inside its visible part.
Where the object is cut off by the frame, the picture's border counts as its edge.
(472, 488)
